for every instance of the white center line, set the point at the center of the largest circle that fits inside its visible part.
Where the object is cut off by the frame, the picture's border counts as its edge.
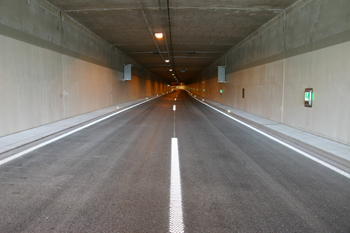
(174, 108)
(175, 219)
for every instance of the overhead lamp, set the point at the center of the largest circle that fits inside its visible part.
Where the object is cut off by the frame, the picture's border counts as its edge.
(167, 61)
(158, 35)
(170, 70)
(173, 74)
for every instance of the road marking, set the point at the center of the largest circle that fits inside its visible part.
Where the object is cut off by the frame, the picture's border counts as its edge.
(175, 99)
(339, 171)
(174, 108)
(175, 219)
(66, 134)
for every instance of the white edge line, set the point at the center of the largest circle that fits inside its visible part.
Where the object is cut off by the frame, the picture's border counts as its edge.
(66, 134)
(339, 171)
(175, 211)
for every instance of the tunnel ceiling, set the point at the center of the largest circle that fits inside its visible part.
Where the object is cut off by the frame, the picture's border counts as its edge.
(201, 30)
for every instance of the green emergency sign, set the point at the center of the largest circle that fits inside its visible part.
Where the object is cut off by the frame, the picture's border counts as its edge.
(308, 97)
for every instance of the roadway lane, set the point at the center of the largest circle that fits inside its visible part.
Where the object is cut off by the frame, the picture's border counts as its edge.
(236, 180)
(110, 177)
(115, 177)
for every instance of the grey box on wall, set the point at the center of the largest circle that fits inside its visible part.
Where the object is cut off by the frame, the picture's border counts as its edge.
(221, 74)
(127, 72)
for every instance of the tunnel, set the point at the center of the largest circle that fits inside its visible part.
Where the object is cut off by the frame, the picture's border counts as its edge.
(175, 116)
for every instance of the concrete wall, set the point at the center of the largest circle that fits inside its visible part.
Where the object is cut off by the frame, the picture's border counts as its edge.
(305, 46)
(52, 68)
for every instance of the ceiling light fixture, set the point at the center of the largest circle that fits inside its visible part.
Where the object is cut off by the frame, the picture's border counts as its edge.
(170, 70)
(167, 61)
(158, 35)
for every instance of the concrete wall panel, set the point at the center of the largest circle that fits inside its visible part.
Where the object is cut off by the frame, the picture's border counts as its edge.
(30, 86)
(276, 91)
(328, 18)
(298, 28)
(10, 14)
(327, 72)
(275, 33)
(52, 68)
(263, 87)
(87, 86)
(39, 86)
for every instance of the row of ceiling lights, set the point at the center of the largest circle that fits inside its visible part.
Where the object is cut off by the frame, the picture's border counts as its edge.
(159, 35)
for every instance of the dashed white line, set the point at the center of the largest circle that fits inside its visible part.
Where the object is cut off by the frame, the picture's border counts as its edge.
(66, 134)
(175, 216)
(337, 170)
(174, 108)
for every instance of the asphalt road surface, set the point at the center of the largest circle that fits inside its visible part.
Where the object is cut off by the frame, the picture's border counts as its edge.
(116, 176)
